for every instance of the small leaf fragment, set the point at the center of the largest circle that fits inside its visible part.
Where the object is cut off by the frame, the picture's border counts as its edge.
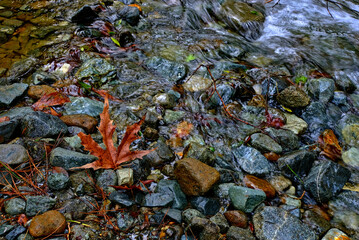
(115, 41)
(190, 57)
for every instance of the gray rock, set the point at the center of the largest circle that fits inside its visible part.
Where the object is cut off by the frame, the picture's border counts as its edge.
(158, 200)
(15, 232)
(38, 204)
(344, 83)
(171, 187)
(82, 182)
(15, 206)
(175, 214)
(316, 222)
(199, 152)
(340, 100)
(13, 154)
(25, 236)
(207, 206)
(246, 199)
(173, 116)
(82, 105)
(197, 83)
(21, 68)
(5, 228)
(172, 71)
(226, 92)
(345, 201)
(293, 97)
(316, 115)
(99, 69)
(265, 143)
(121, 198)
(351, 134)
(299, 162)
(68, 159)
(17, 113)
(220, 220)
(237, 233)
(78, 207)
(8, 93)
(124, 221)
(231, 50)
(58, 181)
(124, 176)
(164, 99)
(162, 154)
(40, 124)
(295, 124)
(350, 157)
(326, 180)
(130, 14)
(287, 139)
(83, 232)
(275, 223)
(189, 214)
(106, 178)
(251, 161)
(222, 190)
(321, 89)
(7, 129)
(85, 15)
(348, 219)
(210, 232)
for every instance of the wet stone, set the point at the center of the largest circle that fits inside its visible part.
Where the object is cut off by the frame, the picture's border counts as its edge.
(173, 116)
(15, 232)
(58, 181)
(4, 229)
(295, 124)
(22, 67)
(165, 100)
(276, 223)
(8, 93)
(107, 178)
(51, 222)
(79, 207)
(37, 91)
(171, 187)
(25, 236)
(326, 180)
(226, 92)
(237, 233)
(98, 69)
(287, 139)
(84, 15)
(351, 135)
(265, 143)
(207, 206)
(316, 115)
(195, 177)
(335, 233)
(316, 222)
(190, 213)
(175, 214)
(197, 83)
(7, 130)
(13, 22)
(299, 161)
(321, 89)
(68, 159)
(124, 176)
(158, 200)
(17, 113)
(237, 218)
(348, 219)
(221, 190)
(220, 220)
(124, 221)
(82, 105)
(15, 206)
(121, 198)
(199, 152)
(261, 184)
(251, 160)
(40, 124)
(161, 155)
(293, 97)
(210, 232)
(38, 205)
(345, 201)
(246, 199)
(82, 183)
(345, 84)
(350, 157)
(172, 71)
(130, 14)
(13, 154)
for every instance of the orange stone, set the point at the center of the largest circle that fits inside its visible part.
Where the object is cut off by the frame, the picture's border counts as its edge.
(271, 156)
(80, 120)
(195, 177)
(50, 222)
(237, 218)
(37, 91)
(261, 184)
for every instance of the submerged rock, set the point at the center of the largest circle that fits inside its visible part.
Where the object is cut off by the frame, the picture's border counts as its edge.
(84, 15)
(265, 143)
(321, 89)
(172, 71)
(98, 69)
(82, 105)
(276, 223)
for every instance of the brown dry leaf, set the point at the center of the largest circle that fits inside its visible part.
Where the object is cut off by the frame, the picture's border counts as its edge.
(4, 119)
(51, 99)
(184, 129)
(329, 145)
(112, 157)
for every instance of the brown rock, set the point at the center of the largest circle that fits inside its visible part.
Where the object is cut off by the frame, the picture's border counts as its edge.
(237, 218)
(293, 97)
(80, 120)
(50, 222)
(37, 91)
(261, 184)
(195, 177)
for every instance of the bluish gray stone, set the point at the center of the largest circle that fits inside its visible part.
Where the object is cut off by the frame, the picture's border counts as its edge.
(251, 160)
(15, 206)
(7, 129)
(40, 124)
(275, 223)
(130, 14)
(285, 138)
(8, 93)
(36, 205)
(264, 143)
(237, 233)
(299, 161)
(207, 206)
(326, 180)
(175, 214)
(99, 69)
(158, 200)
(124, 221)
(171, 187)
(106, 178)
(226, 92)
(121, 198)
(199, 152)
(246, 199)
(5, 228)
(161, 154)
(345, 201)
(13, 154)
(190, 213)
(78, 207)
(172, 71)
(14, 233)
(316, 222)
(83, 105)
(68, 159)
(17, 113)
(220, 220)
(58, 181)
(321, 89)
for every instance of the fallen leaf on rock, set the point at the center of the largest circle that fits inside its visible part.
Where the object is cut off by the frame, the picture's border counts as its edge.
(329, 145)
(51, 99)
(184, 129)
(4, 119)
(104, 94)
(112, 157)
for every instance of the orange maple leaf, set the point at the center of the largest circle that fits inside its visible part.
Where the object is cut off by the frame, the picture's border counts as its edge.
(51, 99)
(111, 157)
(329, 144)
(4, 119)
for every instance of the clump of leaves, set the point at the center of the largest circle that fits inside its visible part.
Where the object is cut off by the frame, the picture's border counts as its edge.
(112, 157)
(301, 79)
(329, 145)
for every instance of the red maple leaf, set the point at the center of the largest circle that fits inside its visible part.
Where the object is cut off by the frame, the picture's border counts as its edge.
(51, 99)
(112, 157)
